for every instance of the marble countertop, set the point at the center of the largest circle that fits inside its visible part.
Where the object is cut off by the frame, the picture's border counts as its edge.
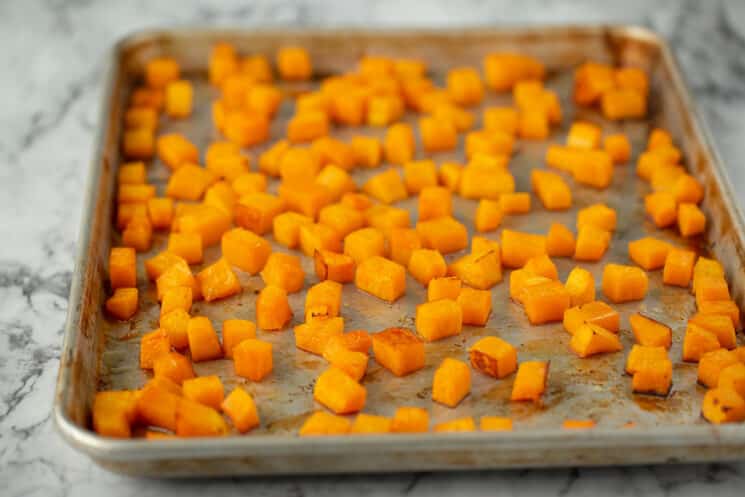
(52, 58)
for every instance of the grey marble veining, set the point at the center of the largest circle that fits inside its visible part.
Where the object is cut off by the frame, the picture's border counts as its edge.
(52, 59)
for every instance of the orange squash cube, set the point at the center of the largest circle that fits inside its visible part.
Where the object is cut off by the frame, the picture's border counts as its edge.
(592, 242)
(545, 302)
(383, 110)
(711, 365)
(218, 281)
(520, 279)
(426, 264)
(481, 270)
(591, 339)
(624, 283)
(489, 214)
(339, 392)
(438, 135)
(196, 420)
(475, 306)
(447, 287)
(598, 313)
(332, 266)
(410, 420)
(256, 211)
(160, 211)
(132, 173)
(157, 406)
(176, 323)
(138, 234)
(678, 268)
(131, 194)
(203, 342)
(640, 355)
(272, 308)
(386, 187)
(560, 242)
(270, 159)
(176, 298)
(114, 412)
(419, 175)
(518, 247)
(495, 423)
(398, 350)
(122, 267)
(341, 218)
(504, 119)
(691, 221)
(381, 277)
(530, 381)
(313, 336)
(247, 183)
(126, 212)
(283, 271)
(297, 165)
(733, 377)
(352, 362)
(456, 426)
(449, 175)
(598, 215)
(263, 99)
(465, 86)
(234, 331)
(650, 332)
(515, 203)
(175, 149)
(358, 201)
(542, 265)
(434, 202)
(364, 243)
(481, 181)
(367, 151)
(252, 359)
(581, 286)
(314, 237)
(138, 143)
(307, 126)
(723, 405)
(324, 423)
(483, 244)
(439, 319)
(241, 408)
(623, 104)
(160, 71)
(698, 341)
(246, 250)
(711, 288)
(718, 324)
(245, 128)
(493, 356)
(398, 144)
(583, 134)
(595, 169)
(206, 390)
(662, 208)
(187, 246)
(336, 180)
(533, 124)
(179, 96)
(369, 424)
(178, 274)
(387, 218)
(326, 294)
(444, 234)
(618, 147)
(726, 307)
(451, 383)
(650, 253)
(489, 143)
(152, 346)
(688, 189)
(402, 242)
(123, 304)
(294, 64)
(503, 70)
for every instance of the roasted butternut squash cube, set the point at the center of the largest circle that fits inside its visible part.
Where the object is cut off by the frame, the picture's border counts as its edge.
(475, 306)
(364, 243)
(451, 383)
(662, 208)
(398, 350)
(189, 182)
(438, 135)
(123, 303)
(493, 356)
(598, 215)
(153, 345)
(186, 245)
(623, 104)
(515, 203)
(530, 381)
(583, 134)
(489, 214)
(256, 211)
(126, 212)
(218, 281)
(495, 423)
(339, 392)
(581, 286)
(386, 187)
(725, 307)
(624, 283)
(733, 377)
(358, 201)
(160, 211)
(650, 332)
(234, 331)
(352, 362)
(381, 277)
(203, 342)
(720, 325)
(246, 250)
(176, 275)
(197, 420)
(450, 174)
(179, 97)
(313, 336)
(114, 412)
(383, 110)
(410, 420)
(595, 169)
(723, 405)
(303, 198)
(160, 71)
(560, 242)
(283, 271)
(519, 247)
(618, 147)
(336, 181)
(248, 183)
(324, 423)
(368, 424)
(489, 143)
(332, 266)
(504, 119)
(307, 126)
(698, 341)
(419, 175)
(592, 243)
(483, 244)
(326, 294)
(434, 202)
(157, 406)
(545, 302)
(294, 64)
(520, 279)
(439, 319)
(691, 221)
(342, 218)
(176, 323)
(678, 268)
(122, 267)
(456, 426)
(387, 218)
(402, 243)
(477, 182)
(644, 354)
(132, 173)
(175, 149)
(711, 365)
(650, 253)
(542, 265)
(444, 234)
(447, 287)
(205, 390)
(533, 124)
(314, 237)
(239, 405)
(252, 359)
(481, 270)
(367, 151)
(176, 298)
(426, 264)
(272, 308)
(465, 86)
(398, 144)
(591, 339)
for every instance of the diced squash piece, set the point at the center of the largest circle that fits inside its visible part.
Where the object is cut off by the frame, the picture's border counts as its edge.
(399, 144)
(711, 365)
(364, 243)
(489, 214)
(624, 283)
(650, 332)
(179, 95)
(644, 354)
(465, 86)
(387, 187)
(287, 228)
(439, 319)
(218, 281)
(495, 423)
(334, 267)
(723, 405)
(352, 362)
(326, 294)
(160, 211)
(456, 426)
(123, 303)
(114, 412)
(341, 218)
(443, 234)
(294, 63)
(449, 174)
(478, 182)
(697, 342)
(324, 423)
(189, 182)
(358, 201)
(542, 265)
(157, 406)
(678, 268)
(475, 306)
(419, 175)
(283, 271)
(387, 218)
(367, 151)
(552, 190)
(711, 289)
(520, 279)
(176, 298)
(451, 383)
(438, 135)
(248, 183)
(493, 356)
(483, 244)
(410, 420)
(515, 203)
(720, 325)
(203, 342)
(313, 336)
(272, 308)
(545, 302)
(317, 236)
(504, 119)
(733, 377)
(197, 420)
(206, 390)
(447, 287)
(307, 126)
(518, 247)
(623, 103)
(426, 264)
(176, 324)
(138, 234)
(597, 312)
(598, 215)
(256, 211)
(339, 392)
(503, 70)
(160, 71)
(186, 245)
(132, 173)
(595, 169)
(578, 424)
(434, 202)
(381, 277)
(481, 270)
(245, 250)
(530, 382)
(560, 242)
(138, 143)
(252, 359)
(398, 350)
(336, 180)
(356, 341)
(234, 331)
(153, 345)
(370, 424)
(583, 134)
(581, 286)
(591, 339)
(726, 307)
(618, 147)
(650, 253)
(177, 274)
(662, 208)
(241, 408)
(402, 242)
(307, 199)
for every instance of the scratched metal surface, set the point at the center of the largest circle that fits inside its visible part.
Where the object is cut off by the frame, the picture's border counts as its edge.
(103, 354)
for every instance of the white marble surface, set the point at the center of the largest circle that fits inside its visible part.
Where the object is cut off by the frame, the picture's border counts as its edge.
(52, 59)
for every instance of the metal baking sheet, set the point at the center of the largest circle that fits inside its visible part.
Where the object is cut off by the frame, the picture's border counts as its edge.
(101, 354)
